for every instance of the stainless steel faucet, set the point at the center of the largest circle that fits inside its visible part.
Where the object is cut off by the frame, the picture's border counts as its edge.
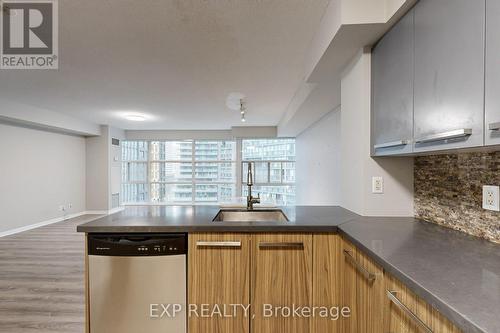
(250, 199)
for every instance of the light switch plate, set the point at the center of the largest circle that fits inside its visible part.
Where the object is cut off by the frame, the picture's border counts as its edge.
(377, 185)
(491, 198)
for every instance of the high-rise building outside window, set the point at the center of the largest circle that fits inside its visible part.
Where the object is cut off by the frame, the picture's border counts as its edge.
(273, 163)
(178, 172)
(206, 171)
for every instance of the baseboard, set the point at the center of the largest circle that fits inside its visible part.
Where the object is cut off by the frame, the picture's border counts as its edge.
(59, 219)
(105, 212)
(40, 224)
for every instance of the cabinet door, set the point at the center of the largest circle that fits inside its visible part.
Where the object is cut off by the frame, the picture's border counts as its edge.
(492, 103)
(441, 324)
(327, 280)
(349, 278)
(219, 274)
(449, 74)
(281, 277)
(363, 290)
(404, 312)
(370, 295)
(392, 84)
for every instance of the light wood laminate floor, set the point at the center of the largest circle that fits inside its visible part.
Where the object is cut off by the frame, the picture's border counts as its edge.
(42, 279)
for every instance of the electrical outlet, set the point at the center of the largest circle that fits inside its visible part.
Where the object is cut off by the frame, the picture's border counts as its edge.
(377, 185)
(491, 198)
(70, 205)
(62, 208)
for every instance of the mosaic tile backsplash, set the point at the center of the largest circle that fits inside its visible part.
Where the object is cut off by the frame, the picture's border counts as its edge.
(448, 191)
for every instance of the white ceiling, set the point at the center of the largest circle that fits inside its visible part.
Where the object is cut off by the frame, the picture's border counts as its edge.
(175, 60)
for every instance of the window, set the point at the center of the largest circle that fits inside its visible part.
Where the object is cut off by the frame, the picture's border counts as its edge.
(178, 171)
(273, 163)
(196, 171)
(135, 172)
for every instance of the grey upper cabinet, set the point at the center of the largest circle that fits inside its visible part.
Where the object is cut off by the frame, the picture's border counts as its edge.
(492, 103)
(392, 91)
(449, 74)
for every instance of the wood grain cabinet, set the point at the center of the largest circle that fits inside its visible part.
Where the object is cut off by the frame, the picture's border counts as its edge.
(281, 277)
(492, 102)
(405, 312)
(219, 273)
(449, 74)
(392, 90)
(276, 271)
(363, 288)
(327, 280)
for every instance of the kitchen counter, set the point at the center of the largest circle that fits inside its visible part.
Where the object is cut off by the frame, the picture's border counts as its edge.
(457, 274)
(161, 219)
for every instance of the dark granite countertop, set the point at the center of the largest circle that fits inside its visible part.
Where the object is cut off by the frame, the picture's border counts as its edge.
(457, 274)
(160, 219)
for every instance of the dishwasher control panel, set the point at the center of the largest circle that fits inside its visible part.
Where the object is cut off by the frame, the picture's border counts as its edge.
(137, 245)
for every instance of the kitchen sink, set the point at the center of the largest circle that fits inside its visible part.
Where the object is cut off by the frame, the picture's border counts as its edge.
(243, 215)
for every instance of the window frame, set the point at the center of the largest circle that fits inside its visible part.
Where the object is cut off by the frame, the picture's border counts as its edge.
(193, 182)
(269, 182)
(262, 159)
(239, 181)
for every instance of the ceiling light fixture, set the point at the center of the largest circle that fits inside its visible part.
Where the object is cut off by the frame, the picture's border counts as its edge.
(233, 101)
(135, 117)
(242, 111)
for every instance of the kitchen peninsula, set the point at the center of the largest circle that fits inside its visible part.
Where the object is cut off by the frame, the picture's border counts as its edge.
(318, 256)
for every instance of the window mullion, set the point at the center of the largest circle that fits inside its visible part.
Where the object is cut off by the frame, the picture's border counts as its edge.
(193, 186)
(282, 172)
(148, 173)
(268, 172)
(239, 168)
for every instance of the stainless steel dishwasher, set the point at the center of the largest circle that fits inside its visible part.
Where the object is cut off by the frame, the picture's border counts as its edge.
(133, 279)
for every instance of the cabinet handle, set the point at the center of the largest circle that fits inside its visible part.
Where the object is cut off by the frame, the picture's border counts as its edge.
(460, 133)
(494, 126)
(391, 144)
(392, 296)
(218, 244)
(367, 274)
(265, 245)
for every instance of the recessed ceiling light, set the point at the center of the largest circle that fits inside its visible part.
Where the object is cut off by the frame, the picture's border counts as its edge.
(135, 117)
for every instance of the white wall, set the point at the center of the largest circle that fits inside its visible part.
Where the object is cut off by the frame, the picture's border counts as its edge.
(358, 167)
(97, 171)
(39, 171)
(103, 172)
(115, 163)
(318, 162)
